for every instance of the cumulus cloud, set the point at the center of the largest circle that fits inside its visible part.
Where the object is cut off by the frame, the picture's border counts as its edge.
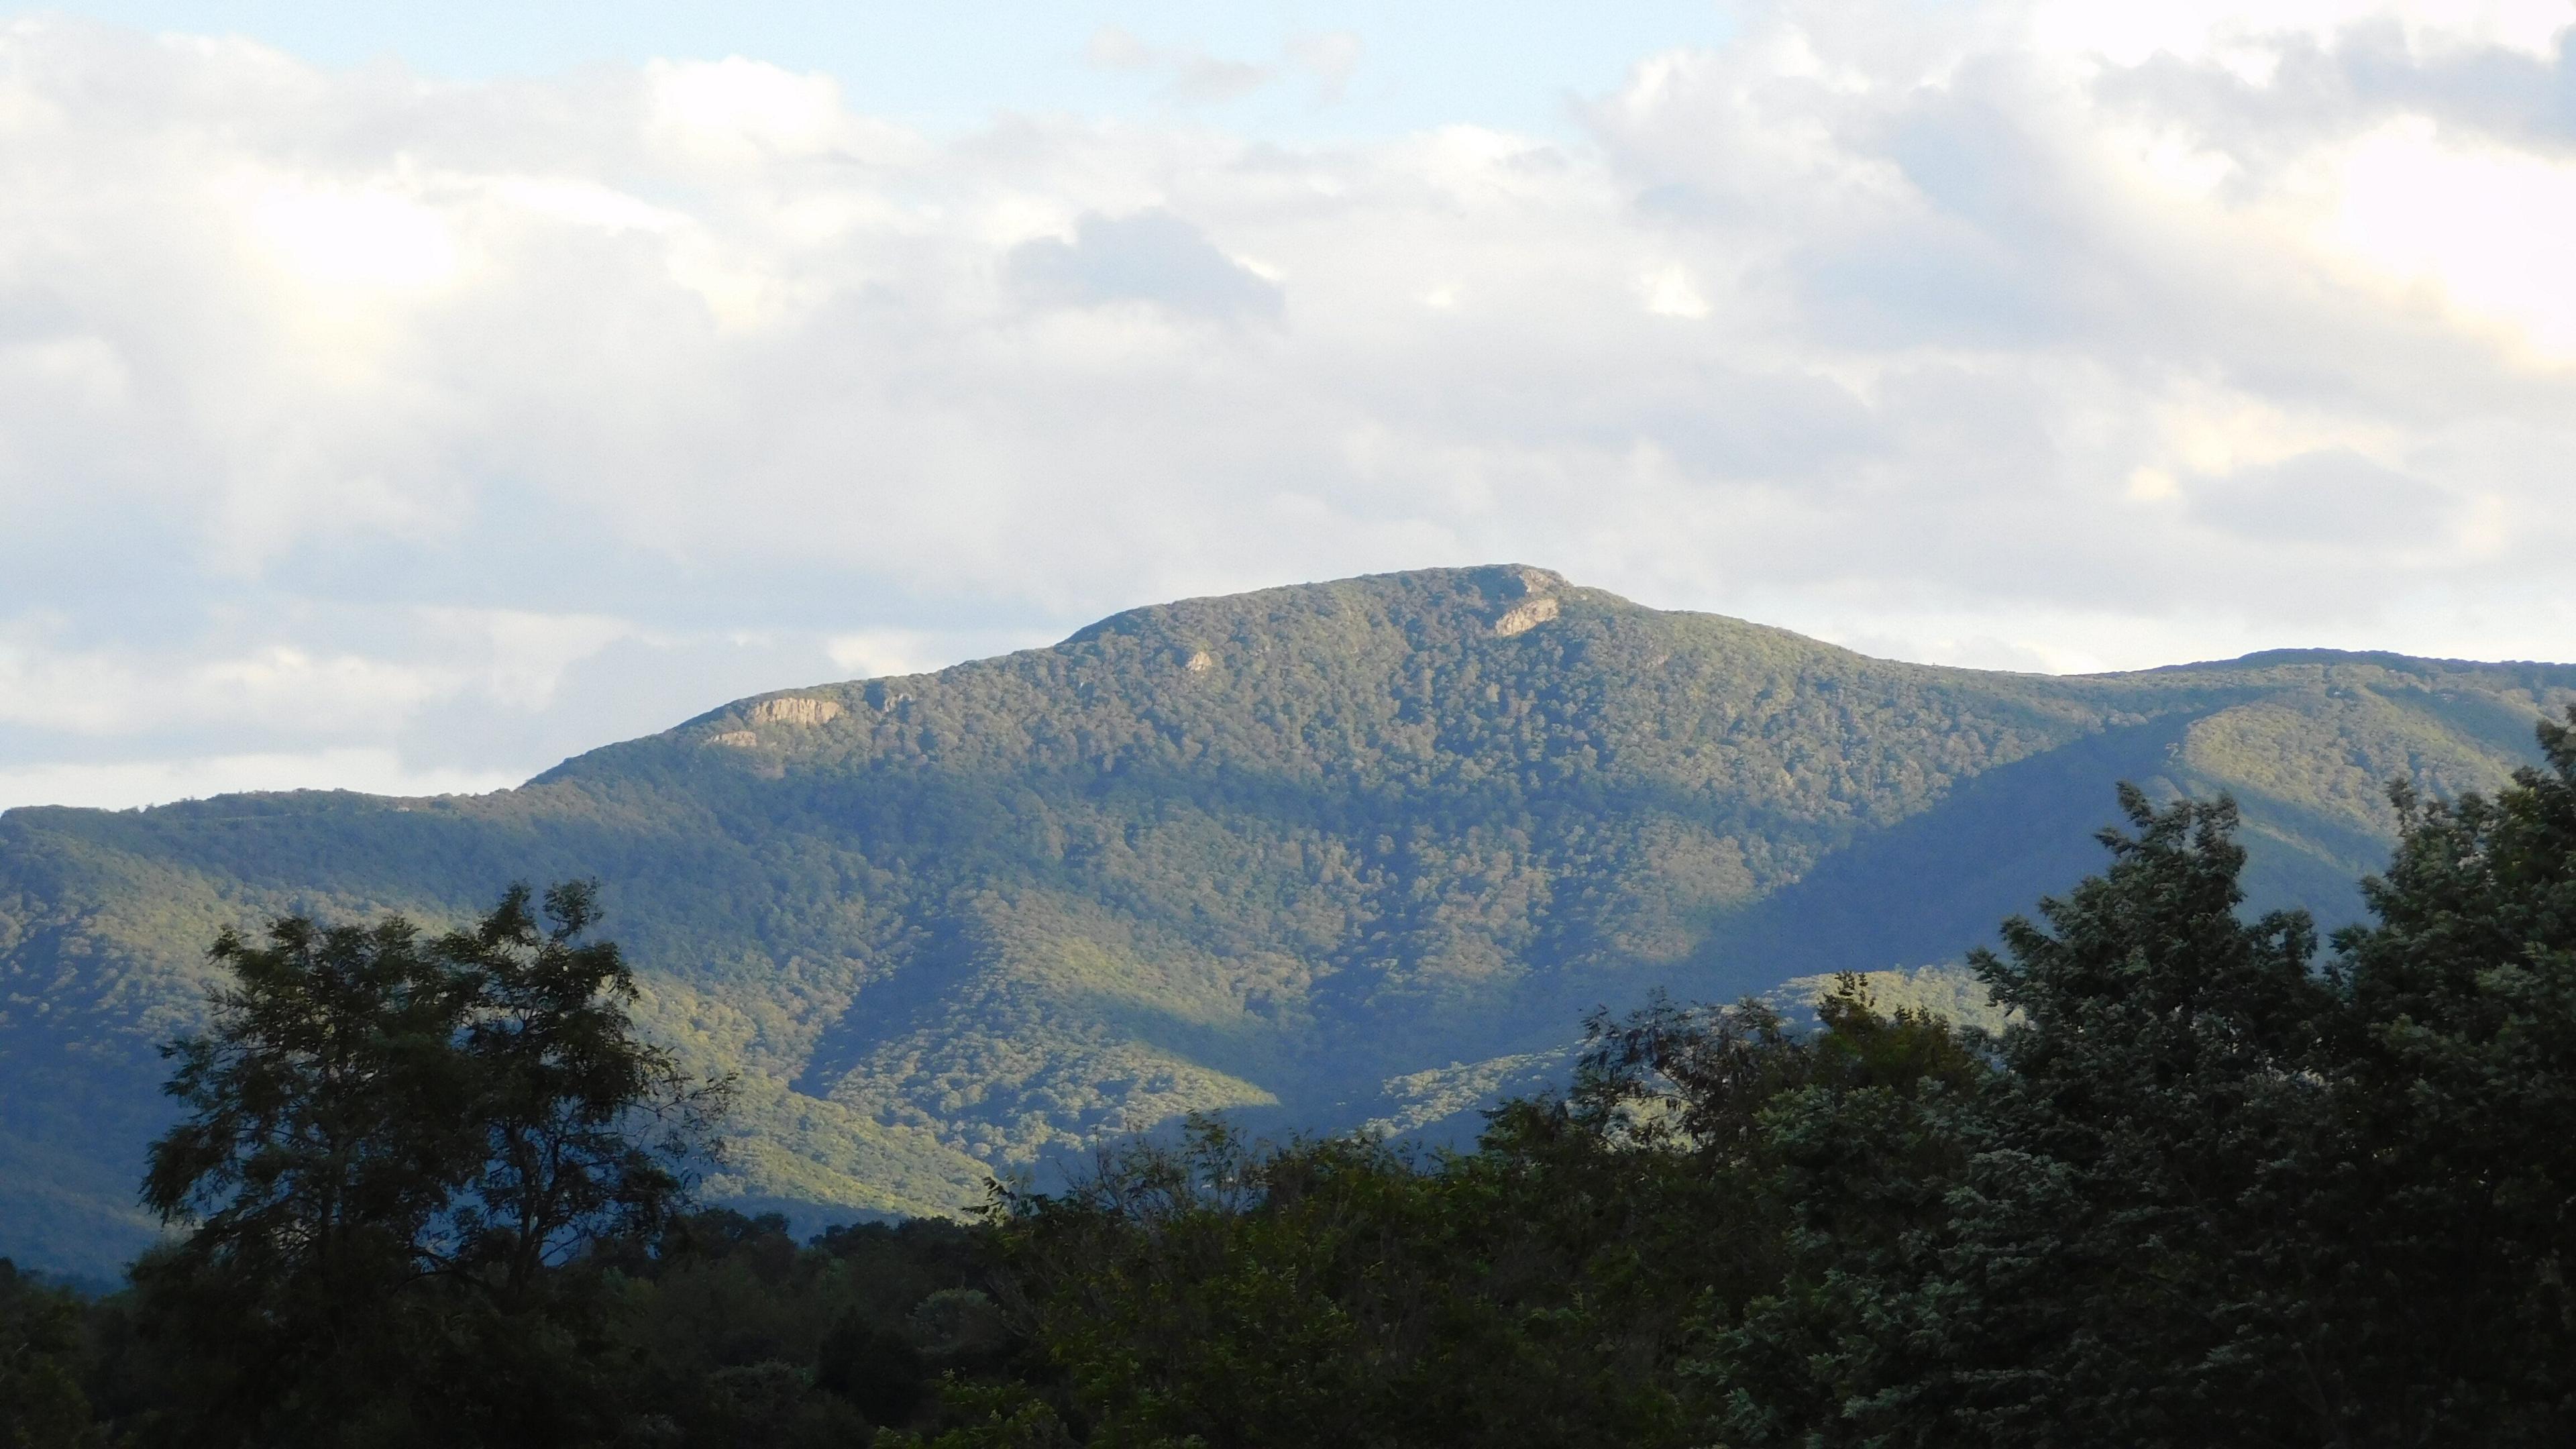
(1152, 257)
(1195, 77)
(2334, 496)
(469, 425)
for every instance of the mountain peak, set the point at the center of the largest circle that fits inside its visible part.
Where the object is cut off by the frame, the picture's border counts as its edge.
(1270, 851)
(1495, 587)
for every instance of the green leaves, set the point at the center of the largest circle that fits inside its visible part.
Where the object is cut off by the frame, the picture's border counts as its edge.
(389, 1142)
(976, 918)
(2114, 1261)
(327, 1104)
(2461, 1073)
(41, 1403)
(2201, 1190)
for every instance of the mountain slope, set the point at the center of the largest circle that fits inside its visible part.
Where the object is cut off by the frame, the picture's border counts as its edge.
(1266, 851)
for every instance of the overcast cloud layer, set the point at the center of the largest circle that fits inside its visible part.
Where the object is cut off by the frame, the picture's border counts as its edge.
(359, 430)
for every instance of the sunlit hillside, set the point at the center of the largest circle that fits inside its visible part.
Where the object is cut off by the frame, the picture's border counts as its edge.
(1331, 854)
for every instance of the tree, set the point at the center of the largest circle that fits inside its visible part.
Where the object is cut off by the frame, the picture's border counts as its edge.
(1844, 1144)
(2217, 1194)
(41, 1404)
(389, 1140)
(2127, 1256)
(328, 1131)
(561, 1088)
(1709, 1181)
(2461, 1079)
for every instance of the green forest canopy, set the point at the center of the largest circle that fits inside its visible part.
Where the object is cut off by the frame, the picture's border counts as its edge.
(1345, 852)
(2208, 1186)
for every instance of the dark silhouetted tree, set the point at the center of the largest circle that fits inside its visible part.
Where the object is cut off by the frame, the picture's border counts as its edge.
(390, 1140)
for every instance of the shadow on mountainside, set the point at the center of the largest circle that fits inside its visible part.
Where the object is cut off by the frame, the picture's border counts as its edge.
(1931, 888)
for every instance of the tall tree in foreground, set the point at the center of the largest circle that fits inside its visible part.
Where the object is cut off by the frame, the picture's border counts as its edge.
(2461, 1081)
(2129, 1256)
(2217, 1195)
(326, 1135)
(564, 1150)
(389, 1138)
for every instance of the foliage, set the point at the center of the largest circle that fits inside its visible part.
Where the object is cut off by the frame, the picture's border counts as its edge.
(719, 1332)
(2461, 1064)
(2128, 1251)
(2198, 1191)
(389, 1141)
(1552, 1288)
(42, 1405)
(2200, 1188)
(729, 1334)
(2218, 1196)
(435, 1193)
(948, 924)
(580, 1125)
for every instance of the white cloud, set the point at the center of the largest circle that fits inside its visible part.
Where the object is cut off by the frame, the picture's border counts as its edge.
(1194, 77)
(1115, 47)
(341, 412)
(2486, 226)
(1153, 257)
(742, 111)
(126, 784)
(1670, 292)
(2235, 32)
(375, 237)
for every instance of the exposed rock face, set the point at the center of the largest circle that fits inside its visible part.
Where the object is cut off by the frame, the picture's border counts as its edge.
(794, 709)
(1200, 662)
(735, 739)
(1525, 617)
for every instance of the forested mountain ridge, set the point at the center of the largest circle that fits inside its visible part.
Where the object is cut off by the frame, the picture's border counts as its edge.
(1295, 850)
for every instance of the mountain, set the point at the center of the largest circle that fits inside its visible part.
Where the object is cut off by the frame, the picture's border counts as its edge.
(1343, 852)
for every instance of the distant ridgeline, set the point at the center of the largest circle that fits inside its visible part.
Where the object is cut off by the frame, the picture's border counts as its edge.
(1341, 853)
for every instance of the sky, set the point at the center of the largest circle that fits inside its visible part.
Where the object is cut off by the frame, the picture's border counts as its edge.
(405, 398)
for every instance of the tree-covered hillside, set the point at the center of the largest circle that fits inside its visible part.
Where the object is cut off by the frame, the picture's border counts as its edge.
(1303, 851)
